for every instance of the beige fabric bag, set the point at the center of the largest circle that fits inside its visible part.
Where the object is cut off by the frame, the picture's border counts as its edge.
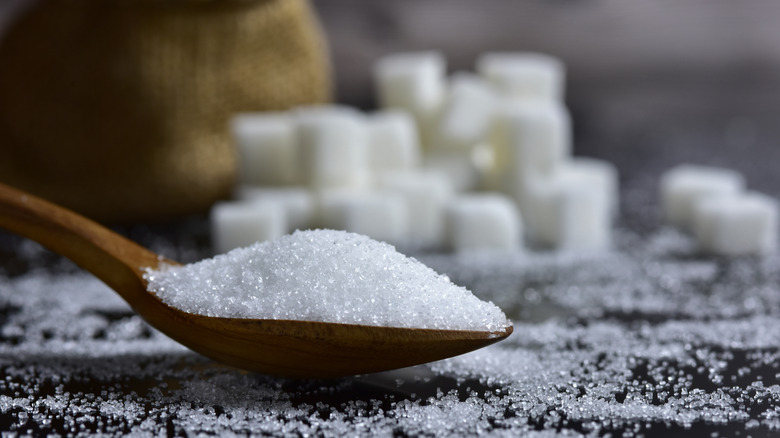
(119, 109)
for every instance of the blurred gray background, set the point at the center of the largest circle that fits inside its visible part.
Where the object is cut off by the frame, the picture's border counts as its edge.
(650, 83)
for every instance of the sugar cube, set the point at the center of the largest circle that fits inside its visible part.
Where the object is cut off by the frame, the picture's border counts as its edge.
(426, 194)
(459, 167)
(529, 136)
(736, 224)
(235, 223)
(601, 174)
(682, 186)
(524, 75)
(466, 113)
(380, 215)
(266, 147)
(483, 222)
(564, 211)
(298, 203)
(332, 146)
(393, 141)
(413, 82)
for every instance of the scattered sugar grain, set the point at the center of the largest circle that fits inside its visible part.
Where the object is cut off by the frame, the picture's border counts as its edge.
(301, 276)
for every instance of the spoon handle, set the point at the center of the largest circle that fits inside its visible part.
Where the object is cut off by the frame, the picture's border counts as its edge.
(115, 260)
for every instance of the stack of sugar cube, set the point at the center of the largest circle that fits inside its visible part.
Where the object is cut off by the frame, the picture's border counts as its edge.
(317, 166)
(336, 167)
(505, 128)
(473, 161)
(725, 218)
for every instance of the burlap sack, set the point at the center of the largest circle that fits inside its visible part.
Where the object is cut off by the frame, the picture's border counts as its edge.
(119, 109)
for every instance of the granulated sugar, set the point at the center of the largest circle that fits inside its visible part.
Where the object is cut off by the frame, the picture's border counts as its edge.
(324, 275)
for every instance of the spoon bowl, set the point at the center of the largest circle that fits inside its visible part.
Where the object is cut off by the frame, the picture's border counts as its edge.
(288, 348)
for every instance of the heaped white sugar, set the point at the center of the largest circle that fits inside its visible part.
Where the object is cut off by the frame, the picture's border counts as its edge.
(324, 275)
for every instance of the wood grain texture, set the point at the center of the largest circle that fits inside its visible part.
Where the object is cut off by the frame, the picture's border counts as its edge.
(276, 347)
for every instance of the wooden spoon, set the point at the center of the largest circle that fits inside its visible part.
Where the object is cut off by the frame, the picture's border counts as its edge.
(277, 347)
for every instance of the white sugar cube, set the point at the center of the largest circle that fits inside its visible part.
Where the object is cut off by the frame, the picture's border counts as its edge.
(413, 82)
(393, 141)
(426, 194)
(483, 157)
(565, 211)
(466, 113)
(333, 146)
(483, 222)
(736, 224)
(524, 75)
(459, 167)
(379, 215)
(601, 174)
(236, 224)
(298, 203)
(266, 147)
(529, 137)
(682, 186)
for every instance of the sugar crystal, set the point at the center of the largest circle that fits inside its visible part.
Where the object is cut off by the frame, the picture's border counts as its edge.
(324, 275)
